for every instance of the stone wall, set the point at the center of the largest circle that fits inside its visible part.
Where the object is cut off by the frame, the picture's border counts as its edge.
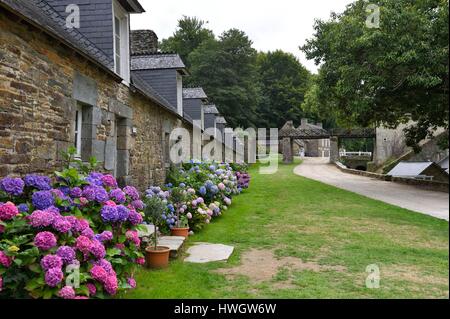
(42, 82)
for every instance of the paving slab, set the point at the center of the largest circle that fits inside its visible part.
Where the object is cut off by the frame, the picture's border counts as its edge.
(205, 253)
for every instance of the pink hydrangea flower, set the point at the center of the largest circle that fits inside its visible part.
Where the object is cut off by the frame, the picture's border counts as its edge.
(109, 181)
(5, 261)
(97, 249)
(67, 292)
(111, 285)
(99, 273)
(8, 211)
(92, 289)
(132, 282)
(83, 244)
(45, 240)
(110, 203)
(140, 261)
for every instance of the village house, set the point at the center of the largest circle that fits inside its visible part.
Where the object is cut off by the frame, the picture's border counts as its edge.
(63, 86)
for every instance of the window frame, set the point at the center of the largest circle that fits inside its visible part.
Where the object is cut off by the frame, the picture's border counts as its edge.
(124, 33)
(78, 128)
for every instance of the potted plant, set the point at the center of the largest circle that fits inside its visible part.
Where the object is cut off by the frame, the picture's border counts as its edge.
(179, 197)
(155, 256)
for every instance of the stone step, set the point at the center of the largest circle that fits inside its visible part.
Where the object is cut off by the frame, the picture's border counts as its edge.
(150, 230)
(204, 253)
(175, 243)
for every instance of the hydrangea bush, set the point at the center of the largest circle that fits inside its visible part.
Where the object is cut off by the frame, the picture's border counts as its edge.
(74, 236)
(209, 189)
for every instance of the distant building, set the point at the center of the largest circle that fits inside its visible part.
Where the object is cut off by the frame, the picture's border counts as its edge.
(420, 170)
(312, 148)
(444, 164)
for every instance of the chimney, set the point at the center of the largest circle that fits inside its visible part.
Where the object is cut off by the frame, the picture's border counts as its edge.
(143, 42)
(319, 125)
(303, 122)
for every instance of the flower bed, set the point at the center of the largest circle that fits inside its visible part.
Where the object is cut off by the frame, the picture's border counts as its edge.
(208, 191)
(73, 236)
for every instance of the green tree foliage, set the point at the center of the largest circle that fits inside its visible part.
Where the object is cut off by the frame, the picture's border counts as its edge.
(391, 74)
(190, 34)
(226, 69)
(284, 82)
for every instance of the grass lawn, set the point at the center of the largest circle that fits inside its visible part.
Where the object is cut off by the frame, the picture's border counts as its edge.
(298, 238)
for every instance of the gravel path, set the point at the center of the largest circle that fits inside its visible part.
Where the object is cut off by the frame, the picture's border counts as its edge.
(423, 201)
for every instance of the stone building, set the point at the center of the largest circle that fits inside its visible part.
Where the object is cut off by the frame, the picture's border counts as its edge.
(61, 86)
(315, 147)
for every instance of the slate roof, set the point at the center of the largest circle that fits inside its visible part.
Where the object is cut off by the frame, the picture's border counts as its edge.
(221, 120)
(194, 93)
(444, 163)
(210, 109)
(410, 168)
(42, 15)
(157, 61)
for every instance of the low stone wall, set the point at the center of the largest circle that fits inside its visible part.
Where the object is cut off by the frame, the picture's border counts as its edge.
(428, 185)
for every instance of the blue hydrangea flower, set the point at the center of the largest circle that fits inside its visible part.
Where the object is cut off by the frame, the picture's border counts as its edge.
(122, 213)
(42, 200)
(202, 190)
(42, 183)
(12, 186)
(23, 208)
(109, 214)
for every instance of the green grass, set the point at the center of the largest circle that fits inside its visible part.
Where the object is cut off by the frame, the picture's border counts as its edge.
(293, 216)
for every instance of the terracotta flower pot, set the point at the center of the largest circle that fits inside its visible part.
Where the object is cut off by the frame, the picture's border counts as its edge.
(158, 258)
(183, 232)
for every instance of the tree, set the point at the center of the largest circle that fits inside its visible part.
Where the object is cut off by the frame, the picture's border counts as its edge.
(284, 82)
(191, 33)
(391, 74)
(226, 69)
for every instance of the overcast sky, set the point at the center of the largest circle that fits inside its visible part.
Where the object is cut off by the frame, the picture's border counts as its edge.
(271, 25)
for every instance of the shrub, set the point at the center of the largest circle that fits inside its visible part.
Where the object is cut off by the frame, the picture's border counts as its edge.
(74, 228)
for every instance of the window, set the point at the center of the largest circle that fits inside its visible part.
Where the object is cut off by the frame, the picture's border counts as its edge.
(78, 122)
(121, 42)
(180, 93)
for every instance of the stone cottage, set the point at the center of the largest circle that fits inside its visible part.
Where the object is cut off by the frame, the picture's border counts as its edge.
(64, 86)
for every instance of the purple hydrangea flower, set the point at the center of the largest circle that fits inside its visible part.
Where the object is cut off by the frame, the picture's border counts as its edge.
(76, 192)
(132, 192)
(42, 199)
(95, 179)
(105, 236)
(123, 213)
(42, 183)
(88, 232)
(138, 204)
(62, 225)
(53, 277)
(109, 214)
(109, 181)
(97, 249)
(66, 253)
(118, 195)
(135, 218)
(95, 193)
(51, 261)
(12, 186)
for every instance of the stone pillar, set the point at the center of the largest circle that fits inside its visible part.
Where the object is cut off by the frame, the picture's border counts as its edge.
(334, 149)
(288, 150)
